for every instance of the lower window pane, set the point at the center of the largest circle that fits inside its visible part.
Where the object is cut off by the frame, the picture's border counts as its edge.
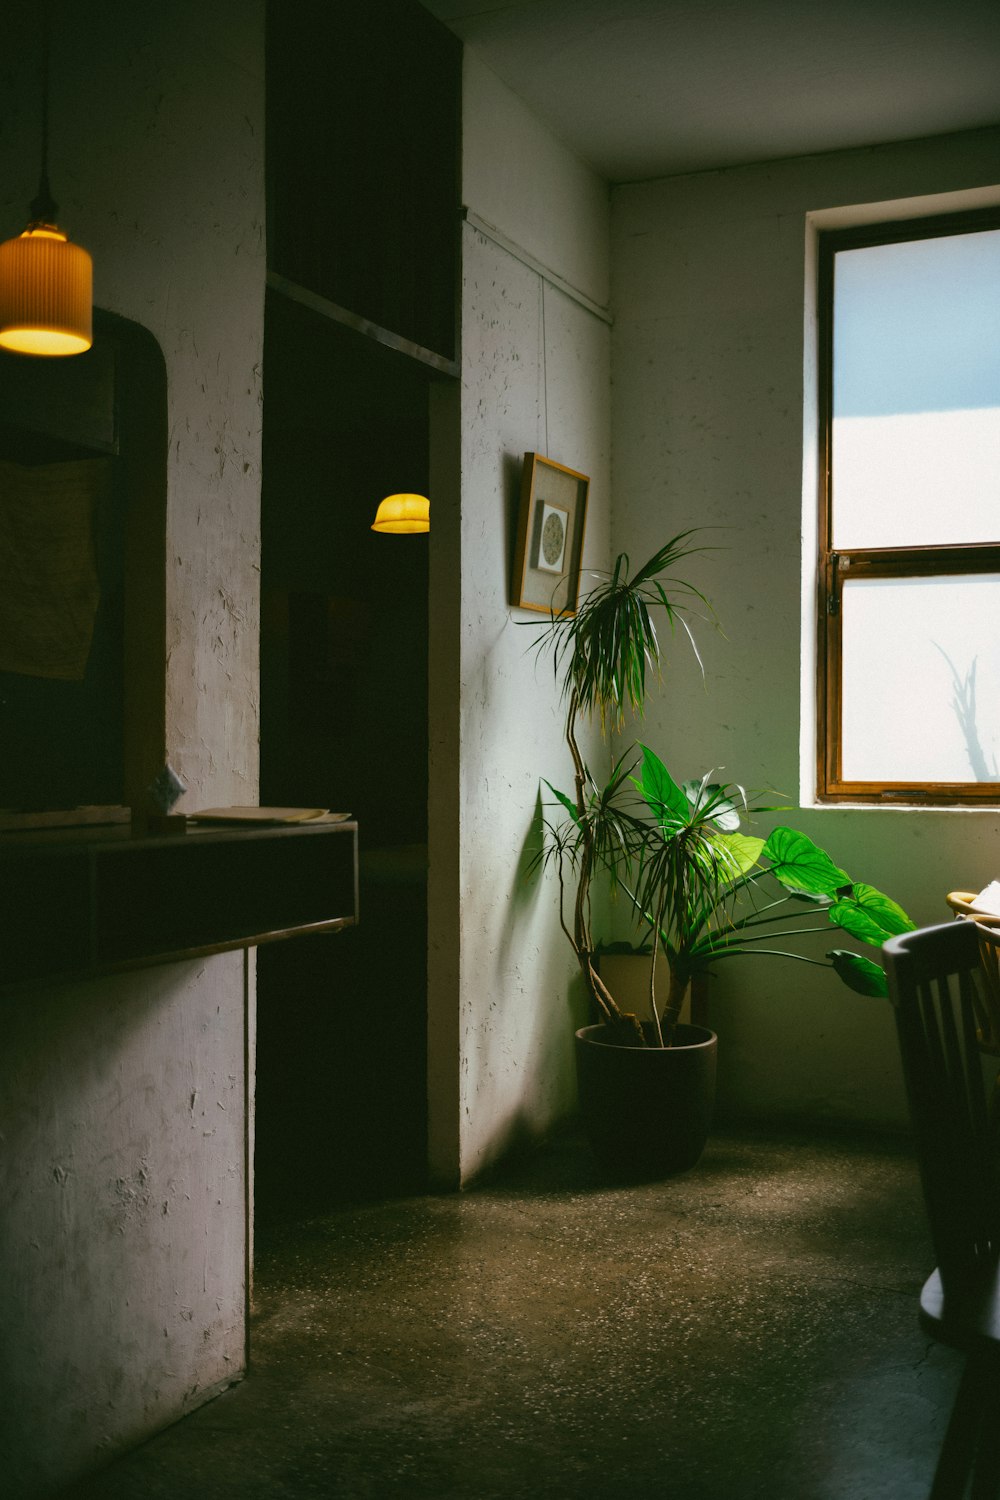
(921, 679)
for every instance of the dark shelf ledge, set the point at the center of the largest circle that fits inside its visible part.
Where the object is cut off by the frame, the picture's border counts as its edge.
(74, 907)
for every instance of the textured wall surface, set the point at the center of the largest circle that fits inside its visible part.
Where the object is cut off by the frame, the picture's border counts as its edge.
(535, 376)
(526, 184)
(123, 1247)
(709, 289)
(122, 1240)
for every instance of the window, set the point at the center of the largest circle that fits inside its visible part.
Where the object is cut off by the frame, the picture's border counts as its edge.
(909, 575)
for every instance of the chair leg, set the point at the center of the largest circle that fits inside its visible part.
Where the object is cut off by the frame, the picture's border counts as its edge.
(958, 1451)
(986, 1474)
(986, 1469)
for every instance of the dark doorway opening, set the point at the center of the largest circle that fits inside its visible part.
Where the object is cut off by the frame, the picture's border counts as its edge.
(341, 1037)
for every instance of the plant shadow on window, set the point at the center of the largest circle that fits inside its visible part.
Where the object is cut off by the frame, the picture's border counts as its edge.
(964, 703)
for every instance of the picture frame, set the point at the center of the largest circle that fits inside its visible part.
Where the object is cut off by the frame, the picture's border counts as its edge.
(550, 530)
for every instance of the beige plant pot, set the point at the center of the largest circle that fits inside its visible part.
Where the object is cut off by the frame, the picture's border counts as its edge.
(627, 977)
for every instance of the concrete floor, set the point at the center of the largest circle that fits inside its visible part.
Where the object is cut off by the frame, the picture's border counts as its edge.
(748, 1329)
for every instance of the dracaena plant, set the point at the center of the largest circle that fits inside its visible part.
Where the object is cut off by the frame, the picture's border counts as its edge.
(605, 655)
(702, 888)
(705, 890)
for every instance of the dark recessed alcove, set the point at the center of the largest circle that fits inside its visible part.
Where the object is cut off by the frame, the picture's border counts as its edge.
(363, 189)
(95, 422)
(341, 1074)
(344, 609)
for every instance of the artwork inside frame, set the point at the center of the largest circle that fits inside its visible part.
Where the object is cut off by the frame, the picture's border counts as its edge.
(550, 532)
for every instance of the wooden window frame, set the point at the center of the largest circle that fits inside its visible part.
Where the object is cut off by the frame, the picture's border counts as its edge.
(836, 568)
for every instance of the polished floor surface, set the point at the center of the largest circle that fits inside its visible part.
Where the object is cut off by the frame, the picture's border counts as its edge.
(747, 1329)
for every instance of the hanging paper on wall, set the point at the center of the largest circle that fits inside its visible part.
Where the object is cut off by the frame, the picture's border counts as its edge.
(49, 590)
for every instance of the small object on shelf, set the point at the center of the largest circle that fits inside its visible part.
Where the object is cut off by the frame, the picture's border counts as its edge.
(236, 815)
(167, 789)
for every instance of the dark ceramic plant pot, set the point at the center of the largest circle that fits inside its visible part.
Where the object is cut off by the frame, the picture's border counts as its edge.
(647, 1110)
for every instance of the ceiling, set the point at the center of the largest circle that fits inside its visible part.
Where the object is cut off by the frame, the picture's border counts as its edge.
(650, 88)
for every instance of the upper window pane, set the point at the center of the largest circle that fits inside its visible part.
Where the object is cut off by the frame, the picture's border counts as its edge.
(915, 446)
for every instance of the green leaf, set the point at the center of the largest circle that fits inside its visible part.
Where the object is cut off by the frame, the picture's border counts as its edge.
(869, 915)
(619, 774)
(710, 798)
(742, 853)
(859, 974)
(567, 802)
(891, 915)
(801, 865)
(660, 789)
(605, 651)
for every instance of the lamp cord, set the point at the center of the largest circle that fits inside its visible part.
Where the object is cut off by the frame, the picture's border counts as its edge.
(43, 208)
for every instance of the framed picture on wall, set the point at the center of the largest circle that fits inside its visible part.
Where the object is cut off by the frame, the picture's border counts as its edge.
(550, 528)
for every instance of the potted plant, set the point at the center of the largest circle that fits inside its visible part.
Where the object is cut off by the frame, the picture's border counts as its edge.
(604, 655)
(702, 887)
(706, 890)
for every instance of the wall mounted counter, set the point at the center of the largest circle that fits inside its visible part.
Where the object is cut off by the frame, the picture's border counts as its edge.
(93, 904)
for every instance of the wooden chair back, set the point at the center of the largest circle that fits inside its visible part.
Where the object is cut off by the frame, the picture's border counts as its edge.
(936, 985)
(988, 928)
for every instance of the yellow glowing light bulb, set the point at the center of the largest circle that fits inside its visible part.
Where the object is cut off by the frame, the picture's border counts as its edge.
(46, 293)
(400, 513)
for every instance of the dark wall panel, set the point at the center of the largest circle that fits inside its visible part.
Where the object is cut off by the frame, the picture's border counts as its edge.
(363, 140)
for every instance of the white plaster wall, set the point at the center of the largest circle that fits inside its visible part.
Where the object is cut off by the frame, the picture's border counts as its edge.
(124, 1240)
(535, 376)
(530, 186)
(709, 285)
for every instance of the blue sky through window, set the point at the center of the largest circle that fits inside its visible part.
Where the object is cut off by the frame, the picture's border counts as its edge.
(917, 326)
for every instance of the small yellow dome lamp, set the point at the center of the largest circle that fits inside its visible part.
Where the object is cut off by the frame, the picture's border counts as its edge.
(402, 513)
(46, 284)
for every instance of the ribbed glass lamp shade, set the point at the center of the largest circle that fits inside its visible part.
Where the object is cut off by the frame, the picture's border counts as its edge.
(403, 513)
(46, 293)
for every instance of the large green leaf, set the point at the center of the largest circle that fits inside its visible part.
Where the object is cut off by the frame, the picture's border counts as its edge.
(869, 915)
(810, 898)
(742, 851)
(801, 865)
(858, 973)
(567, 802)
(660, 789)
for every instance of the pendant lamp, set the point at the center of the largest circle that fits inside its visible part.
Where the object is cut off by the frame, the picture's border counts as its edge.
(46, 297)
(399, 513)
